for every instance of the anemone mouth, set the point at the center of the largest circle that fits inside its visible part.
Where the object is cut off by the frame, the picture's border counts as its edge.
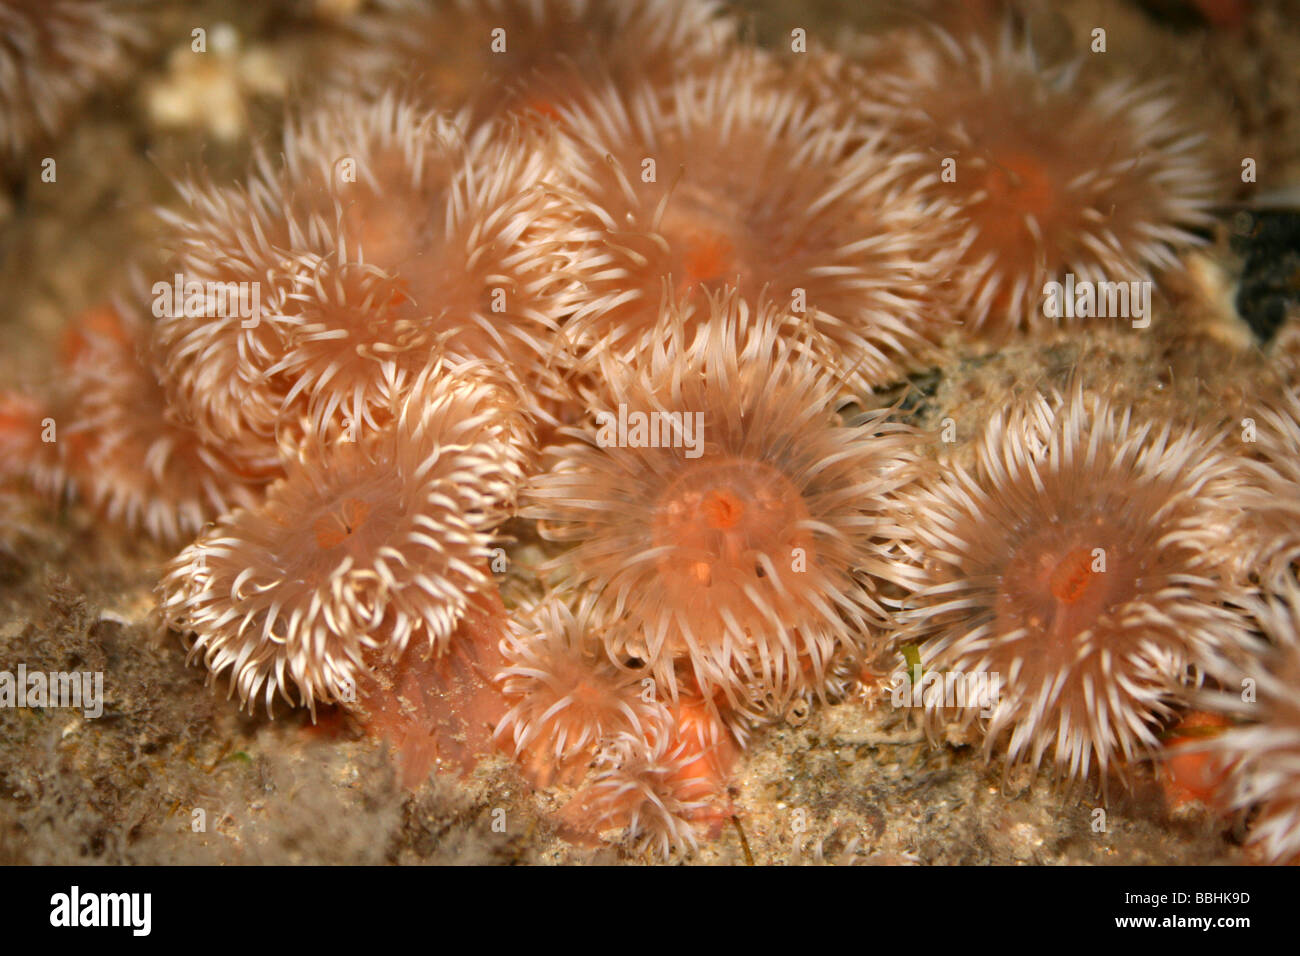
(701, 216)
(723, 526)
(354, 523)
(384, 232)
(1016, 201)
(704, 249)
(1063, 581)
(1037, 203)
(345, 521)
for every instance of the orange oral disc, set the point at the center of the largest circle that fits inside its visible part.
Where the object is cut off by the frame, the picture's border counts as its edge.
(333, 529)
(1070, 578)
(722, 509)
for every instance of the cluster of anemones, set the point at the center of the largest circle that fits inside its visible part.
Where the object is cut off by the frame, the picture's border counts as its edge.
(729, 178)
(385, 236)
(390, 373)
(681, 263)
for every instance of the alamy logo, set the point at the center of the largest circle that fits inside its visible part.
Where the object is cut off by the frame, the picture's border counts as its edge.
(651, 430)
(208, 300)
(75, 908)
(1087, 299)
(76, 689)
(951, 689)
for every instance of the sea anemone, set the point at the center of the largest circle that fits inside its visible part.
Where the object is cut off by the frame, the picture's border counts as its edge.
(645, 791)
(568, 697)
(1043, 176)
(729, 178)
(709, 751)
(237, 239)
(723, 518)
(21, 418)
(440, 243)
(519, 55)
(53, 54)
(1264, 755)
(118, 444)
(1080, 571)
(662, 791)
(440, 709)
(1273, 500)
(362, 546)
(1190, 773)
(384, 238)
